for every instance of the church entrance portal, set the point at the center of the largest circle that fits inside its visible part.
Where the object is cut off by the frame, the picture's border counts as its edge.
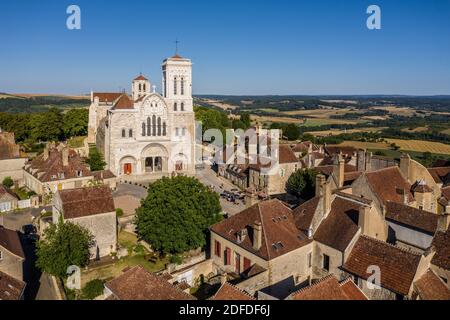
(153, 164)
(127, 168)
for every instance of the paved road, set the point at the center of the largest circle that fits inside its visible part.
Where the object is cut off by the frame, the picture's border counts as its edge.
(39, 286)
(209, 177)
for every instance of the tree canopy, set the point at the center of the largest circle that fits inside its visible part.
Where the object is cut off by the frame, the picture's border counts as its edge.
(95, 160)
(176, 214)
(8, 182)
(302, 183)
(63, 244)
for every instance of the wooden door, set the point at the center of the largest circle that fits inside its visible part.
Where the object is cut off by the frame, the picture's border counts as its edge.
(127, 168)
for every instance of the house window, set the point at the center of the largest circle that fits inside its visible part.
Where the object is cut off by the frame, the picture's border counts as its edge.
(227, 257)
(237, 263)
(130, 133)
(326, 262)
(247, 264)
(79, 173)
(123, 133)
(1, 255)
(217, 249)
(309, 259)
(182, 87)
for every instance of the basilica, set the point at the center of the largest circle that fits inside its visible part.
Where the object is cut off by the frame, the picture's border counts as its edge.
(148, 134)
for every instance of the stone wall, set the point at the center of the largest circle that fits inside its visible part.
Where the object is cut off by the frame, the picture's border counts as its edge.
(11, 264)
(12, 168)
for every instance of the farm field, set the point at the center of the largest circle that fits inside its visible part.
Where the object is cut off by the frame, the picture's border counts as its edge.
(335, 132)
(446, 131)
(421, 146)
(405, 145)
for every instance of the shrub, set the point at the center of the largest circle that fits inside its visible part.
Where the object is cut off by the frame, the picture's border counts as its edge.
(92, 289)
(8, 182)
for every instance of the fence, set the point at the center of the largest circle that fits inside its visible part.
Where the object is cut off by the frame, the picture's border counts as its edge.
(23, 204)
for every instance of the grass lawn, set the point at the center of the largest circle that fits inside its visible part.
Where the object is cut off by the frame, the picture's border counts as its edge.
(76, 142)
(129, 241)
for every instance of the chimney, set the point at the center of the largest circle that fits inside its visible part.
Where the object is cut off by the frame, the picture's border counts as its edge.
(65, 156)
(338, 170)
(323, 190)
(257, 235)
(361, 161)
(443, 222)
(363, 219)
(405, 161)
(46, 153)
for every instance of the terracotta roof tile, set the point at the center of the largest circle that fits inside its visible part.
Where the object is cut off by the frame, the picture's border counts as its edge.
(229, 292)
(52, 168)
(107, 96)
(304, 213)
(346, 151)
(4, 191)
(9, 239)
(420, 219)
(446, 193)
(10, 288)
(139, 284)
(286, 155)
(441, 243)
(440, 174)
(430, 287)
(140, 77)
(278, 226)
(123, 103)
(84, 202)
(388, 184)
(340, 226)
(329, 288)
(398, 266)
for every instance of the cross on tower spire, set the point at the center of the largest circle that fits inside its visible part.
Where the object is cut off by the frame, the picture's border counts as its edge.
(176, 46)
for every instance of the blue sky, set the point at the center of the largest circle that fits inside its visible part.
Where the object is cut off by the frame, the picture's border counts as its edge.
(237, 47)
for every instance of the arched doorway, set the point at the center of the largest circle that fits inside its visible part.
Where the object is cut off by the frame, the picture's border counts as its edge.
(154, 158)
(127, 165)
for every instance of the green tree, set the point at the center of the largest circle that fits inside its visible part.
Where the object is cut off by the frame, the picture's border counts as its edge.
(302, 183)
(47, 126)
(8, 182)
(75, 122)
(291, 132)
(245, 118)
(62, 245)
(176, 214)
(95, 160)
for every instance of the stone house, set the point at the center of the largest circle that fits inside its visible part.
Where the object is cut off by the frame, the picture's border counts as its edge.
(262, 247)
(139, 284)
(11, 161)
(329, 288)
(92, 208)
(58, 168)
(444, 201)
(398, 268)
(8, 200)
(12, 259)
(440, 264)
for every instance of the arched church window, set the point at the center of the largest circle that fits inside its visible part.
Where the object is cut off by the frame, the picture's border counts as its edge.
(175, 85)
(140, 88)
(182, 86)
(175, 107)
(159, 126)
(143, 129)
(143, 87)
(149, 127)
(164, 129)
(154, 125)
(123, 133)
(130, 133)
(182, 106)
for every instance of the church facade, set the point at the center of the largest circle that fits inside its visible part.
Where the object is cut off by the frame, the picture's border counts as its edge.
(147, 135)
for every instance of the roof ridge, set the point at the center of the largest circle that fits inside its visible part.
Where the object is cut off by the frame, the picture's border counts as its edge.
(232, 286)
(393, 246)
(312, 285)
(263, 230)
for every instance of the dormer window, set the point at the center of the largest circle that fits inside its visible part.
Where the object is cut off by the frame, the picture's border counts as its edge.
(1, 255)
(53, 177)
(79, 173)
(61, 175)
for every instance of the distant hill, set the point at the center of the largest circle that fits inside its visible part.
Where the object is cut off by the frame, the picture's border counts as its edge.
(26, 103)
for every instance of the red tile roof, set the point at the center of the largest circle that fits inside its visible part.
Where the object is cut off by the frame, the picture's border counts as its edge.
(304, 214)
(107, 96)
(230, 292)
(440, 174)
(278, 227)
(6, 191)
(140, 77)
(431, 287)
(9, 239)
(397, 266)
(341, 224)
(329, 288)
(123, 103)
(388, 184)
(10, 288)
(409, 216)
(441, 243)
(52, 169)
(286, 155)
(84, 202)
(446, 193)
(139, 284)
